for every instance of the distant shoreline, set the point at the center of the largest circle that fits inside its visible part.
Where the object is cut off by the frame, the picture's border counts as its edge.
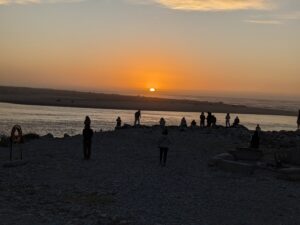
(62, 98)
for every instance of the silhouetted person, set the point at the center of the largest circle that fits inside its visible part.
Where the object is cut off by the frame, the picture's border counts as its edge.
(227, 118)
(298, 121)
(213, 120)
(258, 129)
(255, 141)
(162, 122)
(202, 120)
(119, 122)
(193, 124)
(163, 144)
(87, 138)
(183, 124)
(137, 118)
(236, 121)
(209, 119)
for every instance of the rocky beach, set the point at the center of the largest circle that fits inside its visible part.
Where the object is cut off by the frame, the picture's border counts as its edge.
(124, 184)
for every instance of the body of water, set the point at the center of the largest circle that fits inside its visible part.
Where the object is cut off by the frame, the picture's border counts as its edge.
(60, 120)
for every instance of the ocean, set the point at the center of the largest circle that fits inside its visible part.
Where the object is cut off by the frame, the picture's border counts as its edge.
(66, 120)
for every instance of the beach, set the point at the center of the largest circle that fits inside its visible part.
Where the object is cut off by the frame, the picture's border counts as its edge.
(124, 184)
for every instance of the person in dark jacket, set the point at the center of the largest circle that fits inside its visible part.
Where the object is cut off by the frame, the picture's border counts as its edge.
(202, 120)
(87, 138)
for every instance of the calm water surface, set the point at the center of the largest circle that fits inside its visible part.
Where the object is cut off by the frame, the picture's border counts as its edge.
(60, 120)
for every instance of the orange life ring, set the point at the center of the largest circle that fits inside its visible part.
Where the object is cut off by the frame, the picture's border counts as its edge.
(16, 134)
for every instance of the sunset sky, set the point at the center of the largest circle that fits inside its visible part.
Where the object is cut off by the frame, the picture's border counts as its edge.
(207, 47)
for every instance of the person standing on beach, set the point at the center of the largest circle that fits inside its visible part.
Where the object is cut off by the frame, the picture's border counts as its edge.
(183, 124)
(137, 118)
(162, 122)
(227, 118)
(209, 119)
(213, 120)
(87, 138)
(202, 120)
(163, 145)
(255, 141)
(298, 121)
(236, 121)
(119, 122)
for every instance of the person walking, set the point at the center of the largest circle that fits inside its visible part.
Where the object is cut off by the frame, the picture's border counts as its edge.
(87, 138)
(137, 118)
(202, 120)
(227, 118)
(163, 145)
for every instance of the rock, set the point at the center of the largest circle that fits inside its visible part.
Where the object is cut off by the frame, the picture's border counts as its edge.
(66, 135)
(235, 167)
(48, 136)
(16, 163)
(247, 154)
(291, 174)
(223, 156)
(31, 136)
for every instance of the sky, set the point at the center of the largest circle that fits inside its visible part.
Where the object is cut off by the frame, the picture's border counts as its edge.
(232, 48)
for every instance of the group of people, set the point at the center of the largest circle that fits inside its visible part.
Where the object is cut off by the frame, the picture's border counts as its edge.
(164, 140)
(211, 121)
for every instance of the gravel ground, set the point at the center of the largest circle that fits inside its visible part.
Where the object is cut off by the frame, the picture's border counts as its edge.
(124, 184)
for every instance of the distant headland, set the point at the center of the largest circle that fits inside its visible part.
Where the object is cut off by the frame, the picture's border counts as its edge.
(63, 98)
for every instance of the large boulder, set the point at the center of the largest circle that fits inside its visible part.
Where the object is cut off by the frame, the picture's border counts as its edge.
(236, 167)
(224, 156)
(247, 154)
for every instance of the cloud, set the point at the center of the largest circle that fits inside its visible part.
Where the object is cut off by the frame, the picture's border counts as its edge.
(8, 2)
(265, 22)
(276, 19)
(214, 5)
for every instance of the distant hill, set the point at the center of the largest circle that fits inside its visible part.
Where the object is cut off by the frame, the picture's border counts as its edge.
(50, 97)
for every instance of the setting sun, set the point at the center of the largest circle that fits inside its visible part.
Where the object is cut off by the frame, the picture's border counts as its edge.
(152, 90)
